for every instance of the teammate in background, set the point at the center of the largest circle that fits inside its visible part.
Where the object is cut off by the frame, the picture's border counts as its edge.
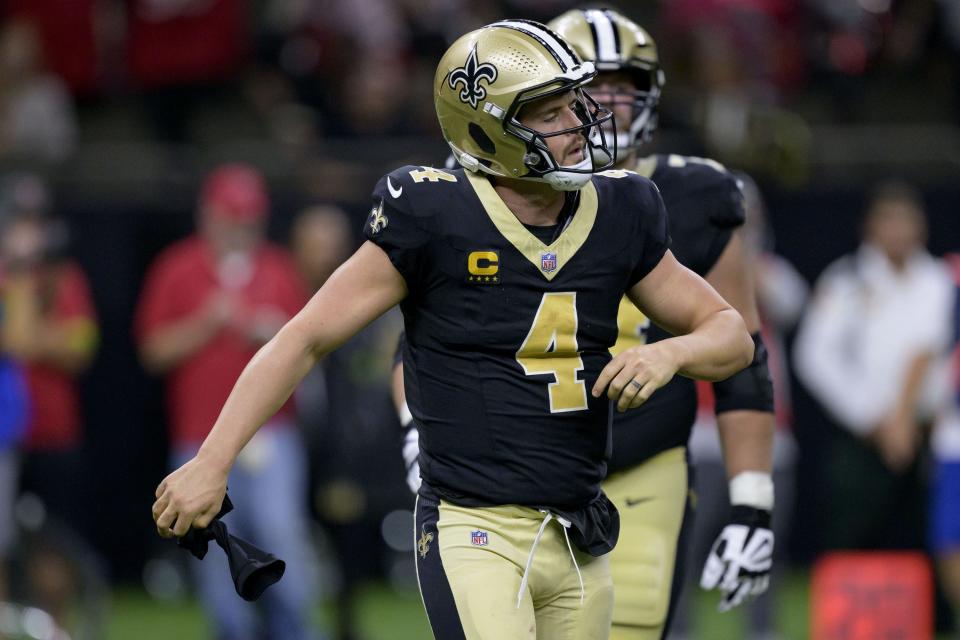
(649, 478)
(509, 275)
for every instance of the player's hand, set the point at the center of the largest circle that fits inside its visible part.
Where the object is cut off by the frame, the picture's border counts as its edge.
(740, 560)
(634, 374)
(191, 496)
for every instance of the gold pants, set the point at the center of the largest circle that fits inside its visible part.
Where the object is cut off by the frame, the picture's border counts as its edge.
(651, 499)
(484, 553)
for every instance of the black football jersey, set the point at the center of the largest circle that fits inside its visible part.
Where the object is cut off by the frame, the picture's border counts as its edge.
(505, 336)
(704, 207)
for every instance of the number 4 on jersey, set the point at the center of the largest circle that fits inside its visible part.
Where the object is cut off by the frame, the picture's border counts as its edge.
(551, 348)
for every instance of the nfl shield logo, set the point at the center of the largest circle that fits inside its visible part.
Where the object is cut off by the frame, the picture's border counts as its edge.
(479, 538)
(548, 262)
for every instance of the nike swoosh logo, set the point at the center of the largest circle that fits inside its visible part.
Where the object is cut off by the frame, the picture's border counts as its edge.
(632, 502)
(394, 191)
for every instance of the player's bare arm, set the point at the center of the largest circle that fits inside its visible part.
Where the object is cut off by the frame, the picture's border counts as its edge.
(711, 340)
(746, 435)
(744, 406)
(362, 289)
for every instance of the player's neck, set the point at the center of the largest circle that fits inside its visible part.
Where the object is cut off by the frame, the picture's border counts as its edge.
(533, 203)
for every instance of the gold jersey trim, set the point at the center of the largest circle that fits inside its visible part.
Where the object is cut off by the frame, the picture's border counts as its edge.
(564, 247)
(646, 166)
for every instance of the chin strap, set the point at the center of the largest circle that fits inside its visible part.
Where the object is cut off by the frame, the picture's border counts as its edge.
(569, 180)
(558, 179)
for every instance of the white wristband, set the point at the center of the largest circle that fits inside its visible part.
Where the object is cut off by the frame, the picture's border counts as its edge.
(404, 414)
(752, 489)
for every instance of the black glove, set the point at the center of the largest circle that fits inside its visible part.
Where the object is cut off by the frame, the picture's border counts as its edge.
(740, 560)
(252, 568)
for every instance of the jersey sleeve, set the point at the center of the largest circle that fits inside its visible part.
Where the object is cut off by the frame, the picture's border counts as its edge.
(394, 225)
(728, 211)
(653, 239)
(705, 217)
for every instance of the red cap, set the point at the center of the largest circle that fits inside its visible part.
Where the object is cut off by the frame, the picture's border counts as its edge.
(236, 192)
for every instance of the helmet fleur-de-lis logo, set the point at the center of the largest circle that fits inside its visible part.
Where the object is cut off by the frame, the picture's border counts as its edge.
(470, 75)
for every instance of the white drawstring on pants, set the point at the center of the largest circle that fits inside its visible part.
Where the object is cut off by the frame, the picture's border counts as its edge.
(526, 571)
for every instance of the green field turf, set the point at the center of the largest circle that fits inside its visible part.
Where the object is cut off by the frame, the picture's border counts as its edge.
(385, 614)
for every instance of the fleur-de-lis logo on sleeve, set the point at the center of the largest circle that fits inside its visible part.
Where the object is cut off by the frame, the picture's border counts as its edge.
(378, 221)
(470, 75)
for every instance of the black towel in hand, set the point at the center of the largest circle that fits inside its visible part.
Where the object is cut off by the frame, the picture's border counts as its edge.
(252, 568)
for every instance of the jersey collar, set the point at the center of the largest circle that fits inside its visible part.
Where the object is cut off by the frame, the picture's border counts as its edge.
(548, 259)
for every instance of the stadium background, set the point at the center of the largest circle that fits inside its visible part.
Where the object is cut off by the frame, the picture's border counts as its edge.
(816, 99)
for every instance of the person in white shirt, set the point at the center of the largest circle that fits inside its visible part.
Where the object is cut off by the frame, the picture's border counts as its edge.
(868, 351)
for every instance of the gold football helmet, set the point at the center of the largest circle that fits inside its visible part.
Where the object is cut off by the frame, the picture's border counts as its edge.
(613, 42)
(484, 79)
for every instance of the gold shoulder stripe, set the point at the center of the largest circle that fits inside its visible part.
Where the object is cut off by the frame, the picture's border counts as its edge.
(646, 166)
(565, 247)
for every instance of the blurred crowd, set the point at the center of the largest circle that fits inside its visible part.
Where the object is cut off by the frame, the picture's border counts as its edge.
(748, 75)
(124, 324)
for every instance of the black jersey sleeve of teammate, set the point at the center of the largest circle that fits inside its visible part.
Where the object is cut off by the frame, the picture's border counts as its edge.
(397, 226)
(728, 211)
(705, 206)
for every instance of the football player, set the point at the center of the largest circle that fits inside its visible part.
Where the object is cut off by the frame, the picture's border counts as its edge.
(509, 273)
(649, 478)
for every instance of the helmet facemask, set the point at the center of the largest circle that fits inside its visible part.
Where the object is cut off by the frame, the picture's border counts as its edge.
(643, 101)
(595, 123)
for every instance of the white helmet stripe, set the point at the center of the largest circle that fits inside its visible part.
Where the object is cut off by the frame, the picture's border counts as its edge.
(606, 38)
(558, 50)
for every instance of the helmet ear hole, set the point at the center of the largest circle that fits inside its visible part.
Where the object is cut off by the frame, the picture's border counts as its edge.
(481, 138)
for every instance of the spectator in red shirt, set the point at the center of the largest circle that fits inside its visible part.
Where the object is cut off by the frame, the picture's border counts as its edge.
(48, 327)
(209, 302)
